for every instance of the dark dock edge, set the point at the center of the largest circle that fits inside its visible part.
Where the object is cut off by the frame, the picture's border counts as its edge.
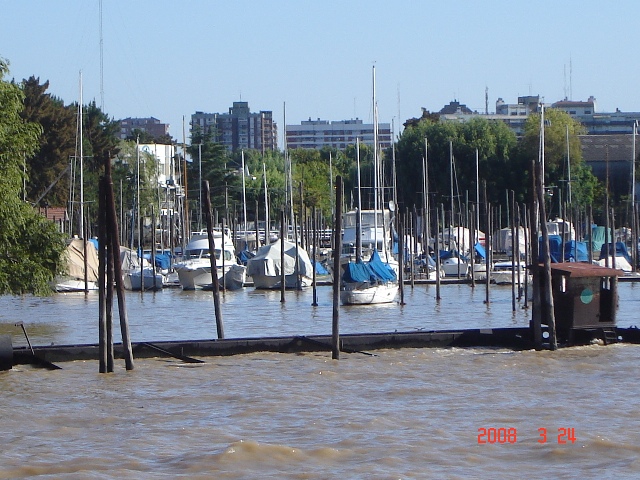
(510, 338)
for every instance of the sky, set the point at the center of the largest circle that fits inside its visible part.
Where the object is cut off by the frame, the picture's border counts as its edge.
(315, 59)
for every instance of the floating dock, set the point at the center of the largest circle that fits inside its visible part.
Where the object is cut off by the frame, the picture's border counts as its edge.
(510, 338)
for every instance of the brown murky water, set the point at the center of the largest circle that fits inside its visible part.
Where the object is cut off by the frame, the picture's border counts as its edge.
(411, 413)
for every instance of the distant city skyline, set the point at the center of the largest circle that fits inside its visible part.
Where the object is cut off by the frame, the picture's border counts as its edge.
(166, 60)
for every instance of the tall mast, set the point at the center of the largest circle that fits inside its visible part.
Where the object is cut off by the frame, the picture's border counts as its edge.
(359, 214)
(81, 224)
(244, 203)
(375, 163)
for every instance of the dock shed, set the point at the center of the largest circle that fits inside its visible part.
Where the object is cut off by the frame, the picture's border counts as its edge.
(585, 298)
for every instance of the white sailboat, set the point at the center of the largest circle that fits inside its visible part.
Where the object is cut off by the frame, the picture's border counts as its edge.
(74, 278)
(194, 271)
(376, 280)
(266, 267)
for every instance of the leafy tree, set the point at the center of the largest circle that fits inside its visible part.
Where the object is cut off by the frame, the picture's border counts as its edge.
(47, 168)
(30, 246)
(555, 144)
(498, 164)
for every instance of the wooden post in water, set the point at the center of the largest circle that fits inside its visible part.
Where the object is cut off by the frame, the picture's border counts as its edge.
(282, 274)
(547, 295)
(85, 260)
(527, 257)
(112, 227)
(513, 249)
(102, 268)
(472, 241)
(315, 252)
(414, 245)
(401, 258)
(335, 331)
(212, 258)
(437, 254)
(487, 243)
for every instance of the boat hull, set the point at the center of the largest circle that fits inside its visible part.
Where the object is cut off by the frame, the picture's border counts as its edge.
(132, 280)
(364, 294)
(198, 276)
(273, 282)
(65, 285)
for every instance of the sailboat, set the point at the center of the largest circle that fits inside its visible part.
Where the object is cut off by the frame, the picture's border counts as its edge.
(80, 252)
(376, 280)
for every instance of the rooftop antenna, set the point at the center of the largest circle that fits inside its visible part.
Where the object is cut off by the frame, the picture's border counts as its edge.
(570, 78)
(486, 100)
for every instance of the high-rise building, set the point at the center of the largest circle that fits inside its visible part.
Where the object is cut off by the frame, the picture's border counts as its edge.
(239, 129)
(318, 133)
(151, 125)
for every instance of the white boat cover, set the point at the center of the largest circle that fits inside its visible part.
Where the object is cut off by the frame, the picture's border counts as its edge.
(267, 261)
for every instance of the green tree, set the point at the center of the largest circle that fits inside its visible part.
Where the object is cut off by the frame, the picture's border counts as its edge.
(556, 125)
(30, 246)
(47, 168)
(498, 165)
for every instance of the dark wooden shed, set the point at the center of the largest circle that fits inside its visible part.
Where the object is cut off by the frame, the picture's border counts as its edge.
(585, 301)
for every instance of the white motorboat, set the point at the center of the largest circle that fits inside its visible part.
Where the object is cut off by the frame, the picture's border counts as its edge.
(501, 274)
(132, 279)
(194, 270)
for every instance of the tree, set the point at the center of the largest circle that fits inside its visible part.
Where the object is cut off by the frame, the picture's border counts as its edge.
(30, 245)
(47, 167)
(498, 164)
(556, 125)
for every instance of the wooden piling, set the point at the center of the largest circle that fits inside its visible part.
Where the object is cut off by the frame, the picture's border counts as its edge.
(335, 331)
(102, 259)
(315, 253)
(401, 259)
(212, 258)
(112, 226)
(282, 274)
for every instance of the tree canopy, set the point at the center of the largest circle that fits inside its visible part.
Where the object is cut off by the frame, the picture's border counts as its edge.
(30, 246)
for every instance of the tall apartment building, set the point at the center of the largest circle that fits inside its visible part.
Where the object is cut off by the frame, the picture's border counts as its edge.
(318, 133)
(151, 125)
(239, 129)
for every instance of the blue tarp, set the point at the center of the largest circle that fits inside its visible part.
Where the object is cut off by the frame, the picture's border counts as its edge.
(163, 261)
(621, 251)
(320, 270)
(555, 249)
(244, 256)
(375, 270)
(576, 251)
(444, 254)
(480, 251)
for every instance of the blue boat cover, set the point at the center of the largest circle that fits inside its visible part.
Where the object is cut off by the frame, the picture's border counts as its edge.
(621, 251)
(576, 251)
(163, 261)
(373, 271)
(555, 249)
(320, 270)
(244, 256)
(480, 251)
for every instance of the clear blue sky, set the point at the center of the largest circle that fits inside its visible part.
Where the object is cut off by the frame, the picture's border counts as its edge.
(168, 59)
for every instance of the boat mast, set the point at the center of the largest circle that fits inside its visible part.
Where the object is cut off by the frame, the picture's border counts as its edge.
(81, 224)
(359, 214)
(375, 163)
(244, 204)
